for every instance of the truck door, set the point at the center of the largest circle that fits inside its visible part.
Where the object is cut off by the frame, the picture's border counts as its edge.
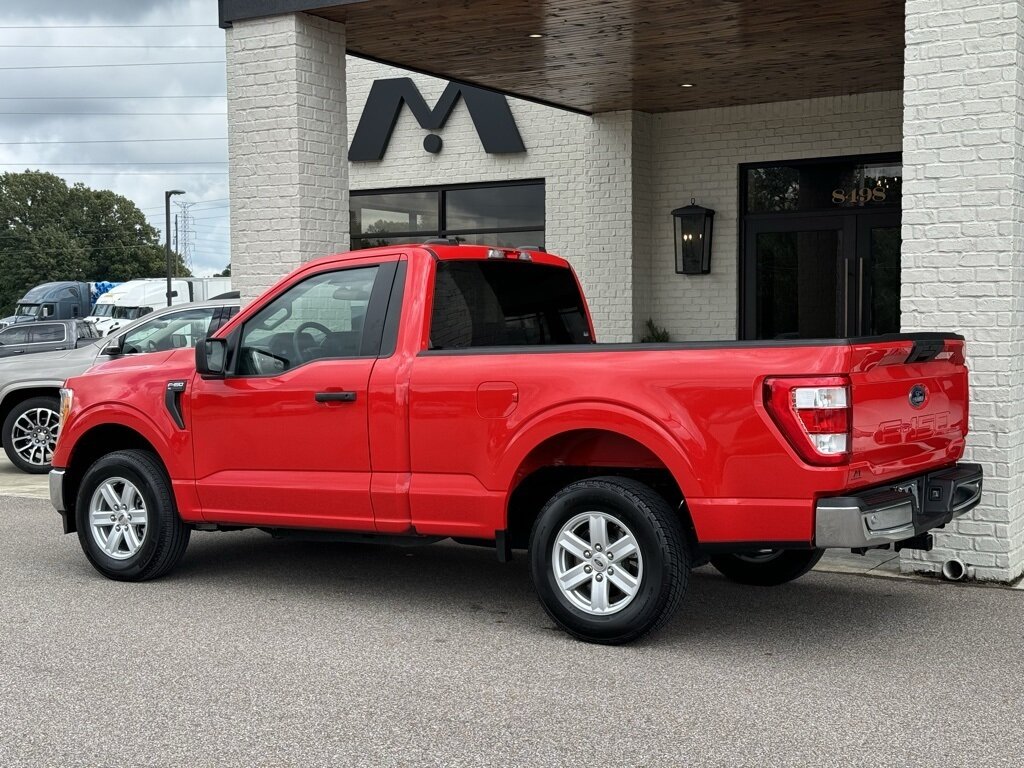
(283, 439)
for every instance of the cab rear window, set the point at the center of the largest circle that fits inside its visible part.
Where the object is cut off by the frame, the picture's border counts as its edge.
(506, 303)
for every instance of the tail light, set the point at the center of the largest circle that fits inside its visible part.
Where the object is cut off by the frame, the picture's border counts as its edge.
(814, 416)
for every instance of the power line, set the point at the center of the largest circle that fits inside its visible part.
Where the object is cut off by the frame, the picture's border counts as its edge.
(196, 202)
(112, 141)
(141, 173)
(146, 96)
(106, 26)
(116, 114)
(50, 45)
(102, 66)
(110, 165)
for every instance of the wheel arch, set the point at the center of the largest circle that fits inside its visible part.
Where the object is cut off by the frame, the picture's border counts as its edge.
(91, 445)
(589, 441)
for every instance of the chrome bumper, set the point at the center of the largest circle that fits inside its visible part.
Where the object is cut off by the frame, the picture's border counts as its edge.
(57, 500)
(897, 512)
(57, 489)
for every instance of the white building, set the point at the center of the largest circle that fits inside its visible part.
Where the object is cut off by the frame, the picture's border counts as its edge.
(865, 162)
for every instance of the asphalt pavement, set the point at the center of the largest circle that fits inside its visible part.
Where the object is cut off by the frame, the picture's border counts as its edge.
(257, 652)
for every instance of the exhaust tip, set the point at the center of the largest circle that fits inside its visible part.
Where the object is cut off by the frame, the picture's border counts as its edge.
(954, 569)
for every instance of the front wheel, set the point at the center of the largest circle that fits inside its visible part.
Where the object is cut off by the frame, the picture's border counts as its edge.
(767, 567)
(128, 524)
(30, 434)
(609, 560)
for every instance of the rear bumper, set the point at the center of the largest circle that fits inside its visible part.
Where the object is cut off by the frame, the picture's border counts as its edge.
(898, 511)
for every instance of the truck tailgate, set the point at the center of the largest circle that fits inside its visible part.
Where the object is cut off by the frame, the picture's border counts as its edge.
(910, 404)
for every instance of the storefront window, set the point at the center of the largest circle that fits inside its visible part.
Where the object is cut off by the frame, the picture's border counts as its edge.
(507, 215)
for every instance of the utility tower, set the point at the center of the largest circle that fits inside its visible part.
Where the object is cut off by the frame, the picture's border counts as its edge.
(185, 233)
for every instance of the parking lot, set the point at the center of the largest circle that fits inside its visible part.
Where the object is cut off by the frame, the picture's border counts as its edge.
(257, 652)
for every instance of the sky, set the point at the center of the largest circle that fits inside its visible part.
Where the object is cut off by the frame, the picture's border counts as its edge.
(61, 113)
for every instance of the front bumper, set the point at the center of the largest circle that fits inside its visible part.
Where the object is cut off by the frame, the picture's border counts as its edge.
(898, 511)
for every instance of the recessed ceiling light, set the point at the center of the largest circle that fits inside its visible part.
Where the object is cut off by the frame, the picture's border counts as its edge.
(535, 36)
(686, 85)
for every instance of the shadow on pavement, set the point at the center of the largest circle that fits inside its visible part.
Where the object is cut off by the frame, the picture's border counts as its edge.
(817, 610)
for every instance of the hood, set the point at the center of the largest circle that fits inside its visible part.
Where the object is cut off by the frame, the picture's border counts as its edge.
(43, 358)
(13, 319)
(46, 366)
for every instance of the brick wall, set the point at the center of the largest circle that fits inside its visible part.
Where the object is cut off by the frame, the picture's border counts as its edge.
(963, 205)
(696, 155)
(286, 146)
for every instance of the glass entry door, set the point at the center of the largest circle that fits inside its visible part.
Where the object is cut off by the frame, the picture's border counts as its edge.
(813, 277)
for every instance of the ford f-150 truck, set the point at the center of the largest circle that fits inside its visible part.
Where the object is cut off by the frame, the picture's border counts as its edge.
(415, 393)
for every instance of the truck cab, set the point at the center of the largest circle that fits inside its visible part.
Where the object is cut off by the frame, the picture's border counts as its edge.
(127, 302)
(62, 300)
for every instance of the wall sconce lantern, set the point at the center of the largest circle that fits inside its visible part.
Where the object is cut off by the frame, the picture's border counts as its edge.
(693, 225)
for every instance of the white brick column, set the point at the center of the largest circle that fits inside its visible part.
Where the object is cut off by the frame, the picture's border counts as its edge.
(287, 146)
(963, 245)
(615, 197)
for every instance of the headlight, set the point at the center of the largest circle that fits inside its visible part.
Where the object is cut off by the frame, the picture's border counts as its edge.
(67, 397)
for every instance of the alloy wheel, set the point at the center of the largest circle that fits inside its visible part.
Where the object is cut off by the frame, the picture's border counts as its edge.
(597, 563)
(118, 518)
(34, 436)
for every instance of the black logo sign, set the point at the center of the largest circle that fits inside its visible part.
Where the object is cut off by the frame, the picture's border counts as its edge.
(489, 111)
(918, 394)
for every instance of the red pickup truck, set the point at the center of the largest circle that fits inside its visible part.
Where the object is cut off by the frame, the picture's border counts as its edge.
(416, 393)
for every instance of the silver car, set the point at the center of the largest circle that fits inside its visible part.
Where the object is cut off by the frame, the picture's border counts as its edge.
(30, 386)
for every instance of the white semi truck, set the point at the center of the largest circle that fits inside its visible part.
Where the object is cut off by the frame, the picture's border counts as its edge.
(130, 301)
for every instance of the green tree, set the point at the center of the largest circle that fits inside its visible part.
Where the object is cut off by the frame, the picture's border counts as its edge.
(226, 272)
(50, 231)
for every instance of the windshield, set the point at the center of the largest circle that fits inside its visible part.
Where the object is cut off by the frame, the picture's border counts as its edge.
(25, 310)
(130, 313)
(103, 310)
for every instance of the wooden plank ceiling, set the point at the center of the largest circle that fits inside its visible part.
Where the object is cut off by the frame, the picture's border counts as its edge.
(606, 55)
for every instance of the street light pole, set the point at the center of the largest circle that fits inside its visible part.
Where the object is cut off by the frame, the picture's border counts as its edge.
(167, 232)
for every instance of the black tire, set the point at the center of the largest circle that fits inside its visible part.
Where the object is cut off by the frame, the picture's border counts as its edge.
(44, 403)
(165, 536)
(783, 566)
(658, 532)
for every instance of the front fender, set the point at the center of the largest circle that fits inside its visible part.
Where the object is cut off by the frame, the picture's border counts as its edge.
(170, 443)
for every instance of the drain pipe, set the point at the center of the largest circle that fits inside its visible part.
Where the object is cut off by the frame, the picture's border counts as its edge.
(956, 569)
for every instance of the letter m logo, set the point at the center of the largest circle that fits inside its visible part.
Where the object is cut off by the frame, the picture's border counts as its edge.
(489, 111)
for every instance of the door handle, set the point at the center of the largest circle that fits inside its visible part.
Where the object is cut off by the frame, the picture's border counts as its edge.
(335, 397)
(860, 296)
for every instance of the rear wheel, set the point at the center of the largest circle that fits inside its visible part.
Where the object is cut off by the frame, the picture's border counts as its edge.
(128, 524)
(30, 434)
(609, 560)
(767, 567)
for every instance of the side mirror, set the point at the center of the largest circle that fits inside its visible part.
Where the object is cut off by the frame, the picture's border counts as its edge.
(113, 349)
(211, 358)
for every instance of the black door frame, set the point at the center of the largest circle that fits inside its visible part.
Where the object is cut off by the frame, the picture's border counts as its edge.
(859, 220)
(794, 223)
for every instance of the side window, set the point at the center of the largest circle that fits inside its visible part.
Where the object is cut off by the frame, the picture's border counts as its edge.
(47, 333)
(14, 336)
(321, 317)
(506, 303)
(177, 330)
(49, 310)
(87, 330)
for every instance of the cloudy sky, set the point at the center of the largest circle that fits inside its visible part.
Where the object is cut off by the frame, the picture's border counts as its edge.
(153, 123)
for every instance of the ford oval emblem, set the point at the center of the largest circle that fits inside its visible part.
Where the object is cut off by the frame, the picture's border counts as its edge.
(918, 395)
